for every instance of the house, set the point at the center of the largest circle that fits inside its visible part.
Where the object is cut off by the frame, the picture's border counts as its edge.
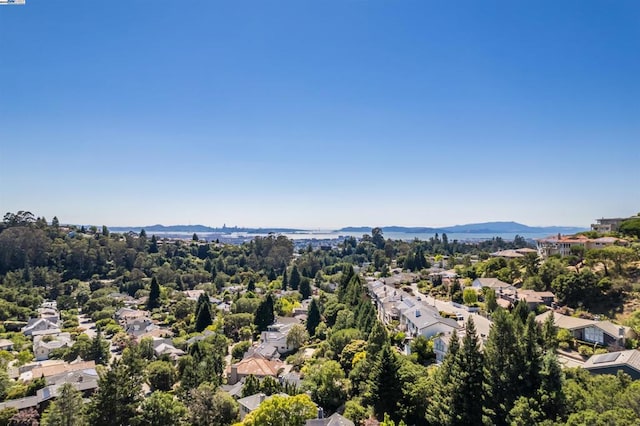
(48, 370)
(494, 283)
(50, 314)
(256, 365)
(441, 346)
(604, 226)
(531, 297)
(276, 335)
(333, 420)
(423, 320)
(250, 403)
(611, 363)
(6, 345)
(563, 244)
(44, 345)
(513, 254)
(603, 333)
(40, 326)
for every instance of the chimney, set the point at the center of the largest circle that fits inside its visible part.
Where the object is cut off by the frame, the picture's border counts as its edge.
(320, 413)
(418, 313)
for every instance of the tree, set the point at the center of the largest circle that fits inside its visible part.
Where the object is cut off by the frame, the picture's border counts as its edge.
(440, 409)
(154, 295)
(264, 315)
(327, 384)
(384, 384)
(313, 317)
(377, 339)
(469, 296)
(422, 350)
(297, 336)
(208, 407)
(285, 279)
(549, 334)
(467, 379)
(490, 300)
(28, 417)
(502, 364)
(67, 410)
(119, 393)
(551, 392)
(294, 281)
(161, 375)
(99, 351)
(283, 411)
(161, 409)
(194, 237)
(203, 319)
(305, 288)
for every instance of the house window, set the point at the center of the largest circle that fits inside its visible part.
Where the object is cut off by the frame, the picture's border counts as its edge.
(593, 334)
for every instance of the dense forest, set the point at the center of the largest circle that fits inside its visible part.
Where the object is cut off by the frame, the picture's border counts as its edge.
(358, 365)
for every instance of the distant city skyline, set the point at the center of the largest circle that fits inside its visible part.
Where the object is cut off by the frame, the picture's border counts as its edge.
(320, 115)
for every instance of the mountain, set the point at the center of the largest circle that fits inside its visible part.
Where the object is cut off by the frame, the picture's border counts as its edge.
(475, 228)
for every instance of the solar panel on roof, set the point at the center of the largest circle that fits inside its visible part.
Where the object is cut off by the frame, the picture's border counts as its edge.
(610, 357)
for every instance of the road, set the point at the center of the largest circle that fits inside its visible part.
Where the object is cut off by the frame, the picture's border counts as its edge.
(483, 325)
(90, 330)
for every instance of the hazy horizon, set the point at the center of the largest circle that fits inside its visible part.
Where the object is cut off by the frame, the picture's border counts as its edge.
(320, 114)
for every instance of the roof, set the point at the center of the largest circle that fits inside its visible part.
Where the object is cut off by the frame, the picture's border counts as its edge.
(5, 342)
(53, 370)
(333, 420)
(252, 402)
(423, 317)
(573, 323)
(630, 358)
(492, 283)
(258, 366)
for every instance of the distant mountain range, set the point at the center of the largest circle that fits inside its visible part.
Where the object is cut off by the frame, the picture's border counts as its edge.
(472, 228)
(475, 228)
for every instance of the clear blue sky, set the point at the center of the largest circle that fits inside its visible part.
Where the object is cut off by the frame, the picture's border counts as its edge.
(320, 113)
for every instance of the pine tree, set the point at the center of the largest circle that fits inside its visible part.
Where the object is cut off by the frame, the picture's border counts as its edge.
(153, 246)
(66, 410)
(99, 351)
(305, 288)
(468, 383)
(551, 393)
(439, 411)
(154, 295)
(531, 358)
(294, 281)
(285, 279)
(313, 317)
(549, 334)
(385, 387)
(251, 285)
(203, 319)
(264, 315)
(119, 394)
(377, 339)
(503, 367)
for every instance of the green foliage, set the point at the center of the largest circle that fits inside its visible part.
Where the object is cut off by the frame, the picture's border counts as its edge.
(327, 384)
(264, 316)
(385, 388)
(67, 410)
(161, 375)
(161, 409)
(208, 407)
(313, 317)
(239, 349)
(282, 411)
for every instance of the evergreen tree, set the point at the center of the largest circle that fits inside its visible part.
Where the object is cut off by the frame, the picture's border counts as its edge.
(251, 285)
(530, 359)
(551, 392)
(194, 237)
(143, 233)
(264, 315)
(467, 389)
(154, 295)
(251, 386)
(285, 279)
(521, 312)
(66, 410)
(99, 351)
(153, 246)
(294, 281)
(119, 394)
(313, 317)
(503, 369)
(439, 411)
(490, 300)
(385, 388)
(378, 338)
(161, 409)
(203, 320)
(305, 288)
(549, 334)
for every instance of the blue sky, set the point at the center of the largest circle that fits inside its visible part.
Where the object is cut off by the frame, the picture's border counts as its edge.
(320, 113)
